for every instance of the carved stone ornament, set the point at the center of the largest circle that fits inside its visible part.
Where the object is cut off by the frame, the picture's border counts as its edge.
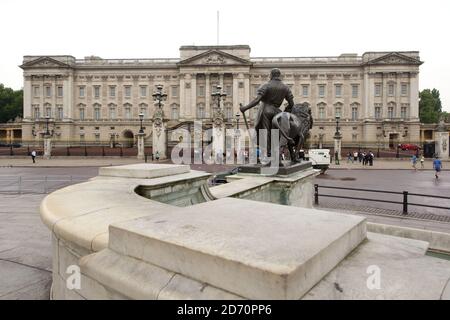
(214, 59)
(444, 144)
(158, 117)
(218, 118)
(441, 126)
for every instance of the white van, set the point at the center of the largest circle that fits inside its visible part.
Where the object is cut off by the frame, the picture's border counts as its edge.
(320, 159)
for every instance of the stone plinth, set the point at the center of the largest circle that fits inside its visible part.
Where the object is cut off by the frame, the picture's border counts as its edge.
(282, 170)
(159, 140)
(252, 249)
(47, 147)
(141, 148)
(143, 171)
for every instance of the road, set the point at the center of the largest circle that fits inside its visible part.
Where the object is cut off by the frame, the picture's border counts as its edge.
(422, 182)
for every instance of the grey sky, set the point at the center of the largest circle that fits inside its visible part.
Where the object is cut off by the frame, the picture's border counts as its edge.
(145, 29)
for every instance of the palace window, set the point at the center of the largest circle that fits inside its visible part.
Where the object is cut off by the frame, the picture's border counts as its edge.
(355, 90)
(201, 91)
(48, 112)
(37, 113)
(390, 112)
(354, 113)
(82, 137)
(59, 113)
(112, 112)
(175, 114)
(112, 91)
(127, 91)
(305, 90)
(128, 113)
(404, 89)
(255, 90)
(143, 109)
(97, 137)
(200, 111)
(96, 92)
(378, 90)
(338, 112)
(229, 112)
(321, 91)
(97, 115)
(321, 112)
(174, 91)
(48, 91)
(404, 112)
(391, 90)
(377, 112)
(60, 91)
(36, 91)
(81, 114)
(338, 90)
(229, 90)
(143, 91)
(81, 90)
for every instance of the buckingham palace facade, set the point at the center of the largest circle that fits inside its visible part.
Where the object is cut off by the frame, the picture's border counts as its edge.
(95, 100)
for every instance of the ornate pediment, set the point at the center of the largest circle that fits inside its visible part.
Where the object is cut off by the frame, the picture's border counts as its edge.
(214, 58)
(394, 58)
(45, 62)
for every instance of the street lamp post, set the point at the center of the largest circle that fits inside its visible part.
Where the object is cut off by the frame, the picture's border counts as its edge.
(337, 141)
(219, 94)
(159, 95)
(141, 118)
(47, 118)
(237, 121)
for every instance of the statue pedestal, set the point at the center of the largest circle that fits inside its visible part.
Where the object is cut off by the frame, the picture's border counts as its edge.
(337, 147)
(159, 140)
(442, 144)
(47, 147)
(219, 143)
(140, 144)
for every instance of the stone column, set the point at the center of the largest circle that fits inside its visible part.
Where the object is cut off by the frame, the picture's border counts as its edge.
(193, 105)
(207, 96)
(47, 146)
(246, 89)
(140, 143)
(413, 96)
(235, 93)
(183, 107)
(27, 97)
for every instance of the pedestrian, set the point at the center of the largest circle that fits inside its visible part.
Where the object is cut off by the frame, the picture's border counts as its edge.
(414, 161)
(349, 157)
(360, 156)
(422, 162)
(371, 156)
(355, 156)
(157, 155)
(33, 155)
(437, 166)
(364, 158)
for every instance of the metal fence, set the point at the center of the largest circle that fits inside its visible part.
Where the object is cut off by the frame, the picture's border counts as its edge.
(403, 197)
(36, 185)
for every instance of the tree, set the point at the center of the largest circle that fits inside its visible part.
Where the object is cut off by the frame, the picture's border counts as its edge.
(430, 106)
(11, 103)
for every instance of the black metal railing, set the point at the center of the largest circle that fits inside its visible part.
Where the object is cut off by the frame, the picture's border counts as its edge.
(405, 195)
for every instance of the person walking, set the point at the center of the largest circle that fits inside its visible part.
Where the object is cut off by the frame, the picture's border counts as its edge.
(157, 155)
(437, 166)
(355, 156)
(33, 155)
(422, 162)
(349, 157)
(371, 156)
(414, 162)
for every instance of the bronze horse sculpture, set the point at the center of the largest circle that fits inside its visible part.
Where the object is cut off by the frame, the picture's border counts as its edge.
(294, 128)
